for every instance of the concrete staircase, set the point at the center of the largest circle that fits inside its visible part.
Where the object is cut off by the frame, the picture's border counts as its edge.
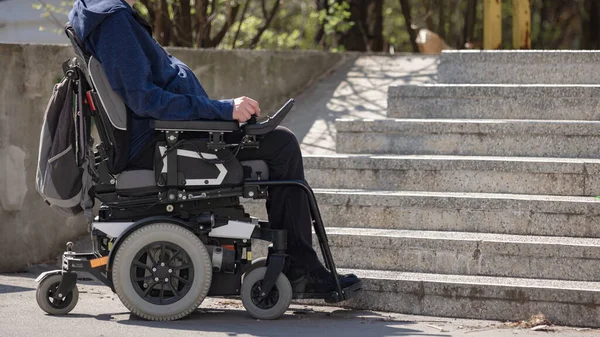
(520, 67)
(473, 201)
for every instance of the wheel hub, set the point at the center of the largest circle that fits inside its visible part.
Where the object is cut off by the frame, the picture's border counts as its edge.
(266, 301)
(162, 273)
(58, 303)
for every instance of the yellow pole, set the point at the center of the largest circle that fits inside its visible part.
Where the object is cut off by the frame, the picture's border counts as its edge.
(521, 24)
(492, 24)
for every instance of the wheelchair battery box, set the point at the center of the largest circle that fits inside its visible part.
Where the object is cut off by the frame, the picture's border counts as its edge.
(196, 166)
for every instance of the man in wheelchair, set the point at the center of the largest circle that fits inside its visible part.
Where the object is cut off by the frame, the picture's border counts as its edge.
(156, 86)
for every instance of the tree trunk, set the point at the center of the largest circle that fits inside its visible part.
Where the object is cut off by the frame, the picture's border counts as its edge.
(441, 31)
(203, 24)
(405, 4)
(320, 35)
(539, 43)
(367, 32)
(591, 26)
(230, 20)
(237, 32)
(469, 28)
(166, 23)
(356, 38)
(265, 25)
(454, 36)
(375, 25)
(429, 14)
(182, 21)
(158, 24)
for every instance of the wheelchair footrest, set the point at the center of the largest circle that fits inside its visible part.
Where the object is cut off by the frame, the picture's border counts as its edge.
(332, 297)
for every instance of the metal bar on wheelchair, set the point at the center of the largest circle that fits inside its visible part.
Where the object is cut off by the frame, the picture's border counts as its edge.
(317, 223)
(190, 195)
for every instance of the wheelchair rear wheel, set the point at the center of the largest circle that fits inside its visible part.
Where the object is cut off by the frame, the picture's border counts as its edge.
(271, 306)
(162, 272)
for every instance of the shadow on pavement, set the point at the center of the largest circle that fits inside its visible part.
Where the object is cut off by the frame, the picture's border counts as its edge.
(6, 289)
(236, 322)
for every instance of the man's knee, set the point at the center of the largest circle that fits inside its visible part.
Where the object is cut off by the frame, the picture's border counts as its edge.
(285, 137)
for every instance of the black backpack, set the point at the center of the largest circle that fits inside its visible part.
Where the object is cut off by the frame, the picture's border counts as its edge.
(63, 176)
(66, 169)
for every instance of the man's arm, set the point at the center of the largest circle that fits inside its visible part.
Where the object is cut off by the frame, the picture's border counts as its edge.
(129, 72)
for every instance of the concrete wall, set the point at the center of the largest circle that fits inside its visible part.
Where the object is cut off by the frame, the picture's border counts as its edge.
(29, 231)
(20, 23)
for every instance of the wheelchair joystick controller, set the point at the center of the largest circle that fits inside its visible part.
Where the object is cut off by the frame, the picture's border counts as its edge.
(252, 120)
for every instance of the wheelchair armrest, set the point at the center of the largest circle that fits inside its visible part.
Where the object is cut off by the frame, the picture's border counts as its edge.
(255, 128)
(196, 126)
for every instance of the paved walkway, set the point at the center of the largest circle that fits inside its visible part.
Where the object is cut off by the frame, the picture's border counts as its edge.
(100, 313)
(356, 89)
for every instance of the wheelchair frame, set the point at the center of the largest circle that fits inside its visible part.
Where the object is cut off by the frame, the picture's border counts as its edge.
(211, 214)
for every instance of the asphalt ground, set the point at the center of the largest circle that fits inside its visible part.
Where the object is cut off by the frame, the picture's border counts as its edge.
(100, 313)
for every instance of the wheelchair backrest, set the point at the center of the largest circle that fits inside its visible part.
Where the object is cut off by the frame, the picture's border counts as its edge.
(111, 101)
(114, 107)
(109, 110)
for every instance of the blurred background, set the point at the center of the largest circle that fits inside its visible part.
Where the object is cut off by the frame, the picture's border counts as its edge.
(333, 25)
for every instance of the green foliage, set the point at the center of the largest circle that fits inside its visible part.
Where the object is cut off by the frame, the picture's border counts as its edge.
(53, 14)
(293, 27)
(394, 26)
(556, 24)
(337, 19)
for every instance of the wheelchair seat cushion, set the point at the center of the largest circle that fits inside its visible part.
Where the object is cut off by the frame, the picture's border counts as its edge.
(137, 182)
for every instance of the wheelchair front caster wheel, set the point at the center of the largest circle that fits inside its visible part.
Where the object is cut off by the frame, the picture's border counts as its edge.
(271, 306)
(45, 297)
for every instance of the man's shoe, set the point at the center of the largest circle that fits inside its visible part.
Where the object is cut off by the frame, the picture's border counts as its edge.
(321, 281)
(295, 273)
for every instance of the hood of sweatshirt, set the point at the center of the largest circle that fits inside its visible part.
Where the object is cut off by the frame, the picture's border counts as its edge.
(86, 15)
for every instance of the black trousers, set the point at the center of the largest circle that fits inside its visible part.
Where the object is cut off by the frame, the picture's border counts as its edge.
(287, 206)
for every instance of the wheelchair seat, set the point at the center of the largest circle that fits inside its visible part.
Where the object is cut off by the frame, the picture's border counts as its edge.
(133, 183)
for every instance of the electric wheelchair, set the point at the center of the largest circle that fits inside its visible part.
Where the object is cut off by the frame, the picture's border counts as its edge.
(164, 239)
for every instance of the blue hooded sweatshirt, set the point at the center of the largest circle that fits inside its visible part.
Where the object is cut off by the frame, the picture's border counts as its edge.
(152, 83)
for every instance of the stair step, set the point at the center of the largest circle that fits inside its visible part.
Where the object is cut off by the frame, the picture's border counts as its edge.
(517, 175)
(461, 212)
(543, 257)
(520, 66)
(478, 297)
(528, 138)
(552, 102)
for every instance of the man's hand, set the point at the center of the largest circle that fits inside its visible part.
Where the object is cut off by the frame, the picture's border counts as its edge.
(244, 107)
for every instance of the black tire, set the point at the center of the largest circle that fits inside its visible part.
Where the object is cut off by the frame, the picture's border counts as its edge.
(256, 263)
(276, 303)
(187, 290)
(45, 296)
